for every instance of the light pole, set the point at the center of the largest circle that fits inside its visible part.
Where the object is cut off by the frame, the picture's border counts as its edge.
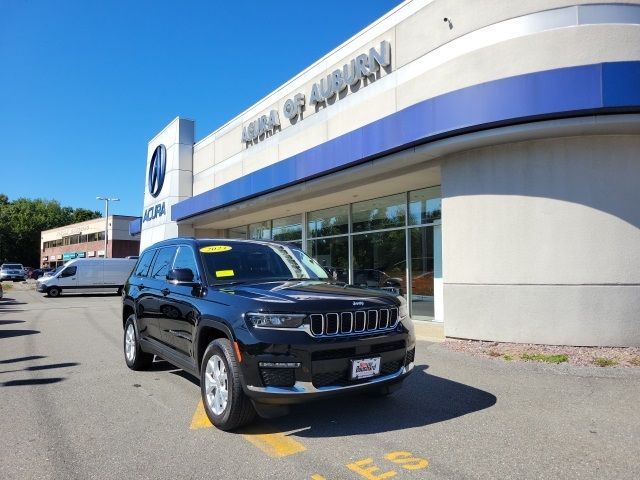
(106, 219)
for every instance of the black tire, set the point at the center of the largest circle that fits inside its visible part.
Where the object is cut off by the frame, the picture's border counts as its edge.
(239, 410)
(53, 292)
(141, 360)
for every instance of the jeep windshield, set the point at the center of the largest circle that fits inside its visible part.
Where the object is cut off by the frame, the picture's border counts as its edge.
(231, 263)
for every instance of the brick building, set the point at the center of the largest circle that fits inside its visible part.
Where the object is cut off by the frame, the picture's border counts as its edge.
(86, 240)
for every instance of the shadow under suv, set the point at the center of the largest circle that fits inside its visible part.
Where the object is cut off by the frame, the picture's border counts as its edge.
(262, 326)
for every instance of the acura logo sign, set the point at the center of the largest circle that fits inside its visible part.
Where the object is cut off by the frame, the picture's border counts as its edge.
(157, 169)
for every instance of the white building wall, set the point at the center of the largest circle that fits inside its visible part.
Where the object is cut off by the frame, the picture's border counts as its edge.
(177, 137)
(541, 241)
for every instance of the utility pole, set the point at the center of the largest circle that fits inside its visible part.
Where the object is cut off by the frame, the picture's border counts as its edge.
(106, 220)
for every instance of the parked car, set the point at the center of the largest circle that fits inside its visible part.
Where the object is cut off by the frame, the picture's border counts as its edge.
(372, 278)
(36, 273)
(87, 275)
(338, 274)
(422, 281)
(47, 272)
(262, 325)
(12, 271)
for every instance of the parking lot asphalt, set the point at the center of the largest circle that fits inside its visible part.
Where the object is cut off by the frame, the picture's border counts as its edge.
(71, 409)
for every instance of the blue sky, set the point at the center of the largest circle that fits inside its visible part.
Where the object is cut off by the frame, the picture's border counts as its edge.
(84, 85)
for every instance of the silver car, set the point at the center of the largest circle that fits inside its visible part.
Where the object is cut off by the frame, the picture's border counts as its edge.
(12, 271)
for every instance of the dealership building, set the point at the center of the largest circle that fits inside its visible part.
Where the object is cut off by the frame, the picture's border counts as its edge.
(481, 158)
(86, 240)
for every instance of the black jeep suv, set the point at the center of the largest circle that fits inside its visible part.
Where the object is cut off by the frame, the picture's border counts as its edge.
(262, 326)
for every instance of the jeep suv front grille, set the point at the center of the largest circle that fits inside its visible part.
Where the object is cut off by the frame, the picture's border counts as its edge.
(345, 323)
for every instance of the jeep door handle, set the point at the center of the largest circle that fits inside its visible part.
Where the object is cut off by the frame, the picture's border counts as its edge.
(165, 291)
(141, 286)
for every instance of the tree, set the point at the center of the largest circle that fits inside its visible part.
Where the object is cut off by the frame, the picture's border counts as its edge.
(22, 220)
(82, 215)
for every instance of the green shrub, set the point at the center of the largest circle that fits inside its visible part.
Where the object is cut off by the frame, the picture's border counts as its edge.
(541, 357)
(605, 361)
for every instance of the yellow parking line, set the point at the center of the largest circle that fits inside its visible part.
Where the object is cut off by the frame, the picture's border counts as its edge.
(273, 444)
(200, 419)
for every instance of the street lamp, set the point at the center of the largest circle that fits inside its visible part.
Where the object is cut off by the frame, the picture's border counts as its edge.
(106, 219)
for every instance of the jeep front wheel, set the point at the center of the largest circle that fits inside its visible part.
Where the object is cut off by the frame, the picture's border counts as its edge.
(226, 404)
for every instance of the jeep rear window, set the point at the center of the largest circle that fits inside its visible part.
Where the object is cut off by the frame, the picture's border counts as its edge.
(227, 262)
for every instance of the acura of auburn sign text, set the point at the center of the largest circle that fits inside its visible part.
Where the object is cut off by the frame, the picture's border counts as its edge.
(364, 65)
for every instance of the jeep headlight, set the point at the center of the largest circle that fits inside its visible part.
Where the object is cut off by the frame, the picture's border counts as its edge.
(276, 320)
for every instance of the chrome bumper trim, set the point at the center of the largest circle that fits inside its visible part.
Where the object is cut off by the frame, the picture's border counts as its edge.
(307, 387)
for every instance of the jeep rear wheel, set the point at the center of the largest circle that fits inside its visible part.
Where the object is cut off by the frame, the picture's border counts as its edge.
(226, 404)
(135, 358)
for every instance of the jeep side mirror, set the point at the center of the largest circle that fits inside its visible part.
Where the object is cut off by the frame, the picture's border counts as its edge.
(180, 275)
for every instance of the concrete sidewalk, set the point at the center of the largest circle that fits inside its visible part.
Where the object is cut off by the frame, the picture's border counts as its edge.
(429, 331)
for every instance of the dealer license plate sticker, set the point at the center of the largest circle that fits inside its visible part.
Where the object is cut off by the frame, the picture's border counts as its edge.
(365, 368)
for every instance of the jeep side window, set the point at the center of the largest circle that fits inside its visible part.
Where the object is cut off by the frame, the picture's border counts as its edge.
(163, 262)
(142, 268)
(185, 259)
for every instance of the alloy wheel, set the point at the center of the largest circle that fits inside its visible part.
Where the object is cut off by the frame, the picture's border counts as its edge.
(216, 384)
(130, 344)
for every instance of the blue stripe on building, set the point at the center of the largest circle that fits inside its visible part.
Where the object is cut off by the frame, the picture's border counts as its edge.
(566, 92)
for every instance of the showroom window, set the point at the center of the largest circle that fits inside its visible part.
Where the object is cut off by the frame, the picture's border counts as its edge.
(332, 254)
(287, 229)
(237, 232)
(328, 240)
(391, 243)
(379, 260)
(328, 222)
(379, 213)
(424, 206)
(260, 231)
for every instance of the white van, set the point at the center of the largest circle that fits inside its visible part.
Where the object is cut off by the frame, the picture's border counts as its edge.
(88, 275)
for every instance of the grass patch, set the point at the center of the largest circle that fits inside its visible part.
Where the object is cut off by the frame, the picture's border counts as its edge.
(507, 357)
(541, 357)
(7, 286)
(635, 361)
(605, 361)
